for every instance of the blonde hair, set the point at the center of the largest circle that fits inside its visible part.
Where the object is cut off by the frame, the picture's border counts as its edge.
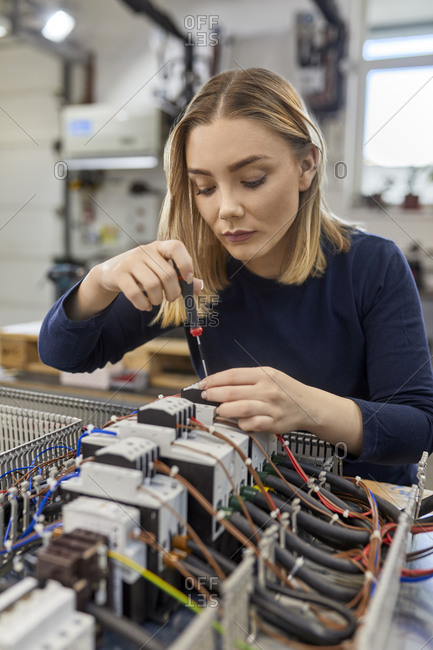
(264, 96)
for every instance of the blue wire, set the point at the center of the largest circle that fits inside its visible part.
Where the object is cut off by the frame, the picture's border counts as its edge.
(7, 531)
(415, 578)
(43, 504)
(49, 449)
(24, 542)
(18, 469)
(373, 584)
(86, 433)
(44, 452)
(375, 502)
(8, 528)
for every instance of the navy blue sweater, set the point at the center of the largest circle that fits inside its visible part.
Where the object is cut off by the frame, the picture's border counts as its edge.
(357, 332)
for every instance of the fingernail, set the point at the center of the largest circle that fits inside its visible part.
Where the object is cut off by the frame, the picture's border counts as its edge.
(204, 395)
(202, 384)
(190, 277)
(202, 285)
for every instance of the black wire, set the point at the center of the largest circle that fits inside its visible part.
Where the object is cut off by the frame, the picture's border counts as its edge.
(307, 629)
(345, 486)
(293, 477)
(295, 488)
(316, 581)
(334, 536)
(300, 546)
(227, 565)
(315, 599)
(201, 569)
(278, 484)
(123, 627)
(294, 623)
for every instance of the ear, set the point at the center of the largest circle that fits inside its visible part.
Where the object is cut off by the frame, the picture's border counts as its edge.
(308, 168)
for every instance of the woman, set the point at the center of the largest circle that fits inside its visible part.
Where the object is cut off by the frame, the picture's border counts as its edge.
(318, 326)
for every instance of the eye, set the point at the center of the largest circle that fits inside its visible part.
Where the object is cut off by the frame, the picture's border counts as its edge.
(256, 183)
(206, 191)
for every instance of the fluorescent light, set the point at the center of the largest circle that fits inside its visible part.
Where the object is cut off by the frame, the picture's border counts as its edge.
(115, 162)
(58, 26)
(391, 48)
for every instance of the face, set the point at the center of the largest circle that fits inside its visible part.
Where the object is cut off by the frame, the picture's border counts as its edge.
(246, 185)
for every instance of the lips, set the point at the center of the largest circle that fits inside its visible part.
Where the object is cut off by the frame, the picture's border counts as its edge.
(238, 235)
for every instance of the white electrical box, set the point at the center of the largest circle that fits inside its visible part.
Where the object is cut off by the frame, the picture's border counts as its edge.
(104, 130)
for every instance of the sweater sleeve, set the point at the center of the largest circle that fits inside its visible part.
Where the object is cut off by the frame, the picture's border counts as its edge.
(398, 416)
(83, 346)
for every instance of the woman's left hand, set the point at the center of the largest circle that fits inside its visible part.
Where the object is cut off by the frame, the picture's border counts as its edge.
(262, 399)
(266, 399)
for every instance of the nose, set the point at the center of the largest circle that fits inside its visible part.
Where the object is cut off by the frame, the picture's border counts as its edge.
(230, 207)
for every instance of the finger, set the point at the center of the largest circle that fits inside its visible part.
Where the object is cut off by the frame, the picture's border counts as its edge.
(232, 377)
(176, 251)
(161, 269)
(244, 409)
(232, 393)
(258, 423)
(133, 292)
(198, 285)
(151, 285)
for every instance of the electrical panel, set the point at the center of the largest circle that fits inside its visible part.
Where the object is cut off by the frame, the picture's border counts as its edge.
(171, 510)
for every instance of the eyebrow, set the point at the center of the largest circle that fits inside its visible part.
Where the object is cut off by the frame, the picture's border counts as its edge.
(232, 168)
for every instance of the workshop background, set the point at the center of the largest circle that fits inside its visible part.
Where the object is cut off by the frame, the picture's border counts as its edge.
(83, 121)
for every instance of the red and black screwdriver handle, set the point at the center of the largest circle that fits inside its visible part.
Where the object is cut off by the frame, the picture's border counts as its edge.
(187, 289)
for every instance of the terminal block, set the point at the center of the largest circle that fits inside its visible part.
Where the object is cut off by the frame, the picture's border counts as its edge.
(203, 459)
(193, 394)
(76, 560)
(132, 452)
(173, 412)
(162, 505)
(118, 523)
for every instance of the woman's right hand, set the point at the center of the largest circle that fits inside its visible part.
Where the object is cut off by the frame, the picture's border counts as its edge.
(144, 275)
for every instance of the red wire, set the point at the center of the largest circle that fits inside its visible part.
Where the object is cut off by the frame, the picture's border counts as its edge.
(303, 475)
(412, 573)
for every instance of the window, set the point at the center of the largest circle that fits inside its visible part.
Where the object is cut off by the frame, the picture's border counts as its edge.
(398, 125)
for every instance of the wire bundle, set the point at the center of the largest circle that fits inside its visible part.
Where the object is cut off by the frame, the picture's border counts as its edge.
(332, 537)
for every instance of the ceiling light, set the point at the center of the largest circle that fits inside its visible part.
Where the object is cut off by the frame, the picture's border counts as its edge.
(58, 26)
(112, 162)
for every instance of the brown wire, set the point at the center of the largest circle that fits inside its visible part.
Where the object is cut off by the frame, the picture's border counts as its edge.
(251, 469)
(192, 533)
(232, 483)
(171, 560)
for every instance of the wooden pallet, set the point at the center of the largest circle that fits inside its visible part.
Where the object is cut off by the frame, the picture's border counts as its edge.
(167, 360)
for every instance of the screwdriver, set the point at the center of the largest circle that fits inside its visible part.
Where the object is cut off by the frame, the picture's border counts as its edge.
(187, 289)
